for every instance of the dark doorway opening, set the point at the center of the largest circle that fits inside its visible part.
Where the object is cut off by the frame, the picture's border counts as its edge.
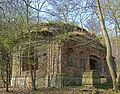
(93, 64)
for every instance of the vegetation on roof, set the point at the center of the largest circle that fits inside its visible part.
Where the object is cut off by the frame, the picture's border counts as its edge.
(47, 35)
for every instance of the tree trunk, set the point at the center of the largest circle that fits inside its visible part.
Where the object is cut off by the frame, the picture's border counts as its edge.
(7, 77)
(33, 79)
(109, 58)
(117, 54)
(2, 76)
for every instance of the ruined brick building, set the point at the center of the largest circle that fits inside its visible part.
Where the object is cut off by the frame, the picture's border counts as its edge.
(71, 56)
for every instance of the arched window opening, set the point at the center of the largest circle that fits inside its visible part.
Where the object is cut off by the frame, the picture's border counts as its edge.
(82, 58)
(71, 57)
(72, 61)
(29, 60)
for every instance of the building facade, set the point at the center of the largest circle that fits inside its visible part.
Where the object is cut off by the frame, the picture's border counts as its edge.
(72, 61)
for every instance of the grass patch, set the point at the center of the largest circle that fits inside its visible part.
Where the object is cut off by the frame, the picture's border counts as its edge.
(105, 86)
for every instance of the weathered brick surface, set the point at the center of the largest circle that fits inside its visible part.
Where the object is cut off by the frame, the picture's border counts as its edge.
(64, 63)
(57, 61)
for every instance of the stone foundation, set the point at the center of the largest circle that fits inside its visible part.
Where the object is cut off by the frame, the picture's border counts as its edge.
(91, 78)
(48, 81)
(20, 82)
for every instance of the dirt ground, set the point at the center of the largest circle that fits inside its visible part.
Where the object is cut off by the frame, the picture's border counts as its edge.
(59, 91)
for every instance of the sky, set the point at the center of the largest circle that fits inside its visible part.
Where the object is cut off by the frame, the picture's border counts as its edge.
(81, 14)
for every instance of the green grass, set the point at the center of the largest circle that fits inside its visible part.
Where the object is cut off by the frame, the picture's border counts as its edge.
(105, 86)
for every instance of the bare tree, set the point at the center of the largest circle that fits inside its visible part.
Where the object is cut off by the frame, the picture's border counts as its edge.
(109, 57)
(112, 8)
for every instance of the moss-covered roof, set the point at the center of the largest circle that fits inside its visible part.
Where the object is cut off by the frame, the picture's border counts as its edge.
(61, 33)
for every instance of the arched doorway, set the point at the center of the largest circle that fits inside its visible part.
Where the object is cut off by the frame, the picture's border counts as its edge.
(94, 62)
